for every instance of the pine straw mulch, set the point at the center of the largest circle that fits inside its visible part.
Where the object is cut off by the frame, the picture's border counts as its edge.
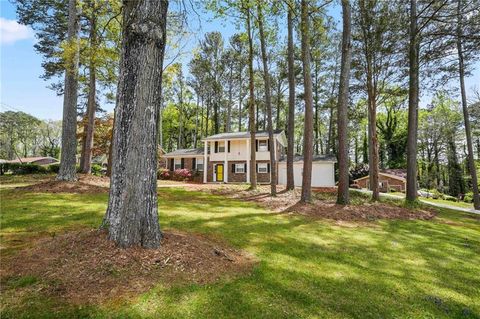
(86, 184)
(288, 202)
(84, 267)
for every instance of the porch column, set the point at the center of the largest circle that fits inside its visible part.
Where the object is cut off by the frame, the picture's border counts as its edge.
(205, 163)
(248, 160)
(225, 161)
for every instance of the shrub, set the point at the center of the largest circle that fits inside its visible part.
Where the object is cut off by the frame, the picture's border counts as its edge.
(97, 169)
(22, 169)
(163, 173)
(182, 174)
(435, 193)
(468, 198)
(449, 198)
(54, 168)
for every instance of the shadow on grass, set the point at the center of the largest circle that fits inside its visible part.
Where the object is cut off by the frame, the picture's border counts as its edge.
(308, 268)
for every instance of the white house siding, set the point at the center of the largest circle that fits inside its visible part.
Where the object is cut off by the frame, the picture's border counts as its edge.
(323, 174)
(238, 152)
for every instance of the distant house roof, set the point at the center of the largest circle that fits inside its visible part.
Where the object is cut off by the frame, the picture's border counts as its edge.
(27, 160)
(186, 152)
(239, 135)
(400, 172)
(316, 158)
(403, 179)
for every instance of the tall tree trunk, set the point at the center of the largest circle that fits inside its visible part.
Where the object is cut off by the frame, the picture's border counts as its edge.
(132, 215)
(251, 106)
(342, 109)
(372, 136)
(413, 96)
(468, 132)
(228, 124)
(195, 136)
(268, 103)
(279, 104)
(89, 128)
(67, 171)
(317, 106)
(308, 127)
(291, 101)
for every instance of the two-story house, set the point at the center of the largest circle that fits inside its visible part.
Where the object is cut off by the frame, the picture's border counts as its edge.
(225, 158)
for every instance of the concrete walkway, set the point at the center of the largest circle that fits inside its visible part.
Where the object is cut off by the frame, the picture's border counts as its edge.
(440, 205)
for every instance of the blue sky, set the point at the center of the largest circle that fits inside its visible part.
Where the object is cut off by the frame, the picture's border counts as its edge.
(21, 87)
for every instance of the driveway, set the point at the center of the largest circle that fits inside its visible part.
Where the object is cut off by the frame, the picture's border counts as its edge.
(441, 205)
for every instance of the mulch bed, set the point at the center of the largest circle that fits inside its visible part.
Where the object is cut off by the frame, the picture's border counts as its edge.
(86, 184)
(85, 267)
(288, 202)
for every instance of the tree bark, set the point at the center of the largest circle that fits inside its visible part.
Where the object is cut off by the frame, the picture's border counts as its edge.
(132, 215)
(251, 106)
(291, 101)
(89, 127)
(342, 112)
(67, 170)
(468, 132)
(308, 128)
(268, 102)
(413, 97)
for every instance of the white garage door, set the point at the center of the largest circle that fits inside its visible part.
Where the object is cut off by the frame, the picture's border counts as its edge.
(323, 174)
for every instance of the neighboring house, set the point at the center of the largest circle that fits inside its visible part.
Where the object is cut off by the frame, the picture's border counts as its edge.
(35, 160)
(225, 158)
(323, 170)
(391, 179)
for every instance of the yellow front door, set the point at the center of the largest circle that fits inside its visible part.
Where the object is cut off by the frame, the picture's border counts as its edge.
(219, 172)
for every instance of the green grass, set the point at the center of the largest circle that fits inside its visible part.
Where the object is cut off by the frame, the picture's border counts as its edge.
(307, 268)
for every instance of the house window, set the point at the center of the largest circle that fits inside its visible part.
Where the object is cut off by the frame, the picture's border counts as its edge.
(240, 168)
(262, 168)
(221, 147)
(199, 164)
(178, 163)
(262, 145)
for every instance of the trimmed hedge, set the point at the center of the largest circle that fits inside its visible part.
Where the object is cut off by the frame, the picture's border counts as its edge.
(23, 169)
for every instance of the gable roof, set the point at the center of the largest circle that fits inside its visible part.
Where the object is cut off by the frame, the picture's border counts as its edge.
(316, 158)
(192, 152)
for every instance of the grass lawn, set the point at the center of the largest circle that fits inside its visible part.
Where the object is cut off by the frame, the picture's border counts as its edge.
(307, 268)
(448, 202)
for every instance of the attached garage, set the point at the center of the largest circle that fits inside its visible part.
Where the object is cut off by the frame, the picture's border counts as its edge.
(323, 171)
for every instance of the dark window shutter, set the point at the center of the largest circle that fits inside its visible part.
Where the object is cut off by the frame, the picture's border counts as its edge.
(268, 145)
(182, 163)
(194, 163)
(245, 168)
(233, 168)
(256, 145)
(256, 167)
(228, 146)
(172, 165)
(216, 147)
(268, 167)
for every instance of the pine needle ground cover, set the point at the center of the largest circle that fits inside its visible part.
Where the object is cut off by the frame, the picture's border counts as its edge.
(305, 268)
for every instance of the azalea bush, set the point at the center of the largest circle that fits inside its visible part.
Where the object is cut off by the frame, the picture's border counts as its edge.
(163, 173)
(182, 174)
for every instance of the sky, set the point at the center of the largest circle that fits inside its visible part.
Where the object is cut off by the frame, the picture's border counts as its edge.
(22, 89)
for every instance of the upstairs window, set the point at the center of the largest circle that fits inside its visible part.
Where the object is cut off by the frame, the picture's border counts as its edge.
(219, 147)
(262, 145)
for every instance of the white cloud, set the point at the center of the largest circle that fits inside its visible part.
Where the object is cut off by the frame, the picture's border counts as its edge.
(11, 31)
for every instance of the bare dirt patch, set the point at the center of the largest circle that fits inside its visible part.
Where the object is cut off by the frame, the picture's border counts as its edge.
(86, 184)
(85, 267)
(288, 202)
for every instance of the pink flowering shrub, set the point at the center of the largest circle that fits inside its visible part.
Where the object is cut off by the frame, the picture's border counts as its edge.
(182, 174)
(163, 173)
